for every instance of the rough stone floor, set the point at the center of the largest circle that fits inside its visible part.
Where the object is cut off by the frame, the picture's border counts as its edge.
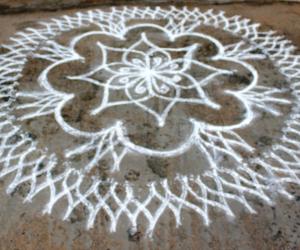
(199, 117)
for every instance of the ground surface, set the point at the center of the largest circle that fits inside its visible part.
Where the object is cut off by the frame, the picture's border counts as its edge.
(37, 5)
(273, 227)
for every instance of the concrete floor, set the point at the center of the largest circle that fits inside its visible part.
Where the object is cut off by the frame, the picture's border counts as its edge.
(273, 227)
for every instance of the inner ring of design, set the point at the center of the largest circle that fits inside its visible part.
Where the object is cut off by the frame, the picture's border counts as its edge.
(155, 79)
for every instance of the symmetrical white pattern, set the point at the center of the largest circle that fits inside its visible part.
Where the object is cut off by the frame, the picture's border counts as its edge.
(151, 74)
(143, 74)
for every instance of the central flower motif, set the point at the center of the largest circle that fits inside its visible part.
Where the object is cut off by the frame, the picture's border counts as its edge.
(147, 71)
(131, 70)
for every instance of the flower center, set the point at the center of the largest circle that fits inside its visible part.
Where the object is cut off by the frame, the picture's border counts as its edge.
(148, 73)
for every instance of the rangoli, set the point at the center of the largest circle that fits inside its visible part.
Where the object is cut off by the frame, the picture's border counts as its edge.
(143, 112)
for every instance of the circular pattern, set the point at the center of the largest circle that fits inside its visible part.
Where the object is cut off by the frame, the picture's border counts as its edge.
(131, 84)
(146, 73)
